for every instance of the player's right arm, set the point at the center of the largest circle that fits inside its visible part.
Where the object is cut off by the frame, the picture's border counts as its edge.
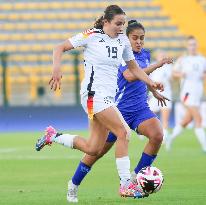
(55, 81)
(78, 40)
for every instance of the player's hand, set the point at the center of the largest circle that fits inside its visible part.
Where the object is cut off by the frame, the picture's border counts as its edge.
(167, 60)
(153, 86)
(55, 81)
(161, 98)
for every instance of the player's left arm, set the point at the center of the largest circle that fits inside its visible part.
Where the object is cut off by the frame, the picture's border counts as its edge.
(157, 65)
(139, 74)
(130, 77)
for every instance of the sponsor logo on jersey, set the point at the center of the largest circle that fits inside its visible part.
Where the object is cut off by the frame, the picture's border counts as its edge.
(119, 41)
(102, 40)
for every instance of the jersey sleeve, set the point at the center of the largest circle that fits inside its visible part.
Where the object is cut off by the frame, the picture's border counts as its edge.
(81, 39)
(123, 67)
(127, 52)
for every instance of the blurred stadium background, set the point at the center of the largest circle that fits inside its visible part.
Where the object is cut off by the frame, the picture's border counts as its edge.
(30, 30)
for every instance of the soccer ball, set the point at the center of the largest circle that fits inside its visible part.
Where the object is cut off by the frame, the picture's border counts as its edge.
(149, 180)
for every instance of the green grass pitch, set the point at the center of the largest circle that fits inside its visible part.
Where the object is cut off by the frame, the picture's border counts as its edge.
(40, 178)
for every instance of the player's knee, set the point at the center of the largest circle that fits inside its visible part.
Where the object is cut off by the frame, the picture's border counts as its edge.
(124, 133)
(157, 137)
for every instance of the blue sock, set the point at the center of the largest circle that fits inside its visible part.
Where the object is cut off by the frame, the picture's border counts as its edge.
(146, 160)
(81, 171)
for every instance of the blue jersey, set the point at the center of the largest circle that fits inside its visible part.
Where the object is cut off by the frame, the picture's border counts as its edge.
(132, 96)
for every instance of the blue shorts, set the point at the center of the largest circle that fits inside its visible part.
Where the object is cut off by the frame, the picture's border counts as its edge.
(134, 120)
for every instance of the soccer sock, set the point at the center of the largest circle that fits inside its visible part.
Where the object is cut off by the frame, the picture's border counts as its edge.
(177, 130)
(145, 160)
(201, 137)
(165, 133)
(81, 171)
(64, 139)
(123, 168)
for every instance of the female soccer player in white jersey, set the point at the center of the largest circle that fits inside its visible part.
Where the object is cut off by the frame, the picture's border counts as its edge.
(131, 100)
(104, 48)
(164, 76)
(191, 69)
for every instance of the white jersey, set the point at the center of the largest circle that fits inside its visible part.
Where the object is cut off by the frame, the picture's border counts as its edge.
(194, 68)
(163, 75)
(102, 57)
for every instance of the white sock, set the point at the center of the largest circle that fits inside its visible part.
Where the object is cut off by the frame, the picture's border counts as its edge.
(72, 185)
(165, 135)
(123, 168)
(176, 131)
(201, 137)
(65, 139)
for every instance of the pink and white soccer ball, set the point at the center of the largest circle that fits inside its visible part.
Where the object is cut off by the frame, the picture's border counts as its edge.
(149, 180)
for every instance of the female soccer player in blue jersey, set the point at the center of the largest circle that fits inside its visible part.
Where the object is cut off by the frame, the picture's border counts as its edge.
(131, 100)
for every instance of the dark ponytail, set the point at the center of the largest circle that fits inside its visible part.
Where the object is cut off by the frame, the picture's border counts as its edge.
(99, 23)
(132, 25)
(109, 14)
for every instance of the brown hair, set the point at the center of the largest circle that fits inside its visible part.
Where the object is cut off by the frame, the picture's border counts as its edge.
(132, 25)
(109, 14)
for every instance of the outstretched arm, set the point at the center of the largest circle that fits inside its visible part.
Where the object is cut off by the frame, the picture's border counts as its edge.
(130, 77)
(157, 65)
(55, 81)
(139, 74)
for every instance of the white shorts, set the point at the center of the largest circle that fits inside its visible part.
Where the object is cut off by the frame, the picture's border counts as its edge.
(191, 98)
(100, 102)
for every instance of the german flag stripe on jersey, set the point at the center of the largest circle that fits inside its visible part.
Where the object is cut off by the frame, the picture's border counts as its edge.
(88, 32)
(90, 102)
(90, 107)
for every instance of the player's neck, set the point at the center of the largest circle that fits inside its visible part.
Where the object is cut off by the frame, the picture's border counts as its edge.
(109, 33)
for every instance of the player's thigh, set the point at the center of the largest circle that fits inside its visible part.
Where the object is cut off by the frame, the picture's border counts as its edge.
(195, 114)
(187, 118)
(151, 128)
(98, 135)
(112, 119)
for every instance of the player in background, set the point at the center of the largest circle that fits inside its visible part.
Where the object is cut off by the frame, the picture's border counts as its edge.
(131, 100)
(164, 76)
(191, 69)
(105, 46)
